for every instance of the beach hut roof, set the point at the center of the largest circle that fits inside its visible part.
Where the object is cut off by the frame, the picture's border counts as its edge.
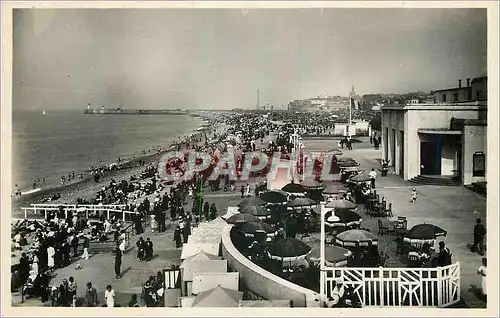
(218, 297)
(202, 256)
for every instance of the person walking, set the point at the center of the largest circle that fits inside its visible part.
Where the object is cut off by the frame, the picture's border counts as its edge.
(141, 249)
(138, 223)
(51, 252)
(206, 210)
(413, 197)
(178, 237)
(242, 191)
(163, 224)
(109, 295)
(373, 176)
(86, 246)
(149, 249)
(91, 295)
(482, 272)
(186, 231)
(479, 234)
(118, 263)
(154, 224)
(72, 288)
(213, 211)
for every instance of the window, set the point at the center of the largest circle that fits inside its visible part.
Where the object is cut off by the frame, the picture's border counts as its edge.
(444, 98)
(478, 94)
(455, 97)
(478, 164)
(469, 95)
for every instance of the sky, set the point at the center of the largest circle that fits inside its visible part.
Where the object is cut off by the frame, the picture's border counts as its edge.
(218, 58)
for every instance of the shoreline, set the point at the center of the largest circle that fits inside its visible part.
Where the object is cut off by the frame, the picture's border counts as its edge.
(53, 177)
(87, 188)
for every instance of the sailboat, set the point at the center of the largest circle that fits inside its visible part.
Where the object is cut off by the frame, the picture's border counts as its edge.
(44, 113)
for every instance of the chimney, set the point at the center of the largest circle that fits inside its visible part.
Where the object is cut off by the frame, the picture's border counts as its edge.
(468, 82)
(459, 83)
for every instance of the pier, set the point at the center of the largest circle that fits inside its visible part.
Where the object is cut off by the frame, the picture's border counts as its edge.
(104, 111)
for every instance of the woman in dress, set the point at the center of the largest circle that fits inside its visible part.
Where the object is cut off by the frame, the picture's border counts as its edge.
(154, 224)
(178, 237)
(50, 257)
(482, 272)
(213, 212)
(35, 266)
(109, 295)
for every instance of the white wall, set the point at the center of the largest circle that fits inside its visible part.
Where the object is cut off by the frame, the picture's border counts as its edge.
(474, 140)
(206, 281)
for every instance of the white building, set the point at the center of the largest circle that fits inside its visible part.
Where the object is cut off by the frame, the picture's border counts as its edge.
(438, 139)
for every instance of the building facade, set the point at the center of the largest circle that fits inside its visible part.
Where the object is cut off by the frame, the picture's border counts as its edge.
(438, 139)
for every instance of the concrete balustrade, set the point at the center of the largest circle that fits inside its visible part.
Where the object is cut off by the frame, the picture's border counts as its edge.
(262, 282)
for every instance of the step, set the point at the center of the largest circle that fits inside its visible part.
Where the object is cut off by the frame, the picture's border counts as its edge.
(434, 180)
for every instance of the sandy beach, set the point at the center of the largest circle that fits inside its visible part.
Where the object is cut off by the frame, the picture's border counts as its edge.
(87, 188)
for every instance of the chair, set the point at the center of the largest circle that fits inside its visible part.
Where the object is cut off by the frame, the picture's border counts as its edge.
(418, 245)
(382, 229)
(401, 223)
(330, 241)
(388, 210)
(414, 258)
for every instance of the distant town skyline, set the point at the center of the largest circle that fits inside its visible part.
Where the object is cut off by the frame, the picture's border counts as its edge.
(218, 58)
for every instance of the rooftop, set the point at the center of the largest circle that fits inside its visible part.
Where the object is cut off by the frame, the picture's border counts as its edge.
(437, 106)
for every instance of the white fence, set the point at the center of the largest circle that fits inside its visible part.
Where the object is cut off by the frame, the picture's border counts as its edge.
(412, 287)
(38, 211)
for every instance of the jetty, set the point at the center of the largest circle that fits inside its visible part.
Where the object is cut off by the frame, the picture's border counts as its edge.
(119, 111)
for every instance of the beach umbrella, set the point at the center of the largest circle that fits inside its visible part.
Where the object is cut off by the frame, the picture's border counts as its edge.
(356, 237)
(218, 297)
(342, 158)
(348, 163)
(288, 249)
(252, 201)
(334, 255)
(332, 218)
(311, 184)
(335, 152)
(242, 218)
(342, 217)
(274, 196)
(362, 177)
(341, 204)
(351, 169)
(252, 228)
(335, 188)
(255, 210)
(301, 202)
(425, 232)
(293, 188)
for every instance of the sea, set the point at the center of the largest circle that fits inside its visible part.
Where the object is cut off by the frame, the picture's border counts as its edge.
(61, 141)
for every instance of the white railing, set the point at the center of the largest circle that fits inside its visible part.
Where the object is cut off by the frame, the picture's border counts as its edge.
(87, 206)
(400, 287)
(37, 211)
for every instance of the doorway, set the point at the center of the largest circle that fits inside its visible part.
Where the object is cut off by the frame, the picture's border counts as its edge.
(429, 158)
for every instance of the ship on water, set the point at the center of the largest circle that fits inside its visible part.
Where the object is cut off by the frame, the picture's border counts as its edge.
(121, 111)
